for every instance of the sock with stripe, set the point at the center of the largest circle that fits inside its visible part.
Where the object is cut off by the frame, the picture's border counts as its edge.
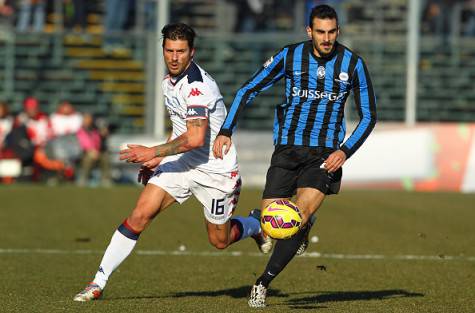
(121, 245)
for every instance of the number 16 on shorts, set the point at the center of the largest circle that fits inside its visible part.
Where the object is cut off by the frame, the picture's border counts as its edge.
(217, 206)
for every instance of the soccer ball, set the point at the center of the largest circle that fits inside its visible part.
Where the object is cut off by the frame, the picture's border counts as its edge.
(281, 219)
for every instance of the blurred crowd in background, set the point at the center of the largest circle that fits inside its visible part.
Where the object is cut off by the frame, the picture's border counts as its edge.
(66, 145)
(63, 146)
(250, 15)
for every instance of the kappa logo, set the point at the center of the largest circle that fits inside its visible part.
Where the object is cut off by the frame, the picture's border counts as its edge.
(191, 112)
(195, 92)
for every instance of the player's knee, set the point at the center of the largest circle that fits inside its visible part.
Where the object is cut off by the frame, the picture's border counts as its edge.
(139, 220)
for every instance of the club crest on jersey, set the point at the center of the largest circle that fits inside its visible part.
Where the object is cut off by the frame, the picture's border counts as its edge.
(268, 62)
(321, 72)
(195, 92)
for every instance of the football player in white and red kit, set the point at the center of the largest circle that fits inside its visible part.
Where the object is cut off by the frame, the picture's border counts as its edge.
(185, 164)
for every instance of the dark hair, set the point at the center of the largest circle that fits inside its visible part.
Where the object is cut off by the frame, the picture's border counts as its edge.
(322, 11)
(179, 31)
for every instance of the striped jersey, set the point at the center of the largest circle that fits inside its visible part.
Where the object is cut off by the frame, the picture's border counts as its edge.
(316, 89)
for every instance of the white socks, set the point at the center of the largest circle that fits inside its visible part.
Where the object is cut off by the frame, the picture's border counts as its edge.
(118, 250)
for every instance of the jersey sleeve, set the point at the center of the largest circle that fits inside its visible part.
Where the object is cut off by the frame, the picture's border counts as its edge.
(365, 101)
(271, 72)
(198, 97)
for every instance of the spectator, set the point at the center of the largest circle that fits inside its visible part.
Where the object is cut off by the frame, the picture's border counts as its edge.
(438, 19)
(78, 20)
(11, 164)
(14, 140)
(39, 132)
(469, 26)
(250, 15)
(6, 12)
(65, 123)
(116, 14)
(6, 123)
(36, 122)
(65, 120)
(28, 8)
(94, 151)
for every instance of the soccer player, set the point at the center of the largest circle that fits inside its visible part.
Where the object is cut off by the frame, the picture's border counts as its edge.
(185, 165)
(309, 127)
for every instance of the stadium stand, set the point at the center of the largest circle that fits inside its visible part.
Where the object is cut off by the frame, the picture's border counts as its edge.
(54, 66)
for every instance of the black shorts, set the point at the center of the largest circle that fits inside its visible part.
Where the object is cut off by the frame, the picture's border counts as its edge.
(295, 167)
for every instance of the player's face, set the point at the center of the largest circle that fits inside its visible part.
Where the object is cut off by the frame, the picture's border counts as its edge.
(323, 33)
(177, 55)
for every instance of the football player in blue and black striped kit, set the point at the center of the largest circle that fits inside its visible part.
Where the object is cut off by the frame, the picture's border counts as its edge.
(309, 127)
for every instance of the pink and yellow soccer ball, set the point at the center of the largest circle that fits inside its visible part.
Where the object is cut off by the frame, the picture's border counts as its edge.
(281, 219)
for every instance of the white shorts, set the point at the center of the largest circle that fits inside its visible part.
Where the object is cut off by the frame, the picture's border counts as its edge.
(219, 193)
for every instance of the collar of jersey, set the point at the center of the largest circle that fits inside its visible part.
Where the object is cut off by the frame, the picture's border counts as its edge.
(175, 80)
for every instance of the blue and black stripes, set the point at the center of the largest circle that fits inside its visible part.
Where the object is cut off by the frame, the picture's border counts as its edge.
(316, 89)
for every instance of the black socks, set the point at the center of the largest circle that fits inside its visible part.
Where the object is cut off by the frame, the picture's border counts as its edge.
(284, 251)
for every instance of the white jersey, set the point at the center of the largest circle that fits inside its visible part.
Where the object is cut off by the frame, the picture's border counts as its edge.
(195, 95)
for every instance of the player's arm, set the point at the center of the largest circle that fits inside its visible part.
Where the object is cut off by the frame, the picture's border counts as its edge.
(148, 168)
(365, 101)
(153, 163)
(271, 72)
(193, 138)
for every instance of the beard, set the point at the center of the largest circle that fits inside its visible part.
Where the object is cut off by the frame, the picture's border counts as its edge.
(325, 53)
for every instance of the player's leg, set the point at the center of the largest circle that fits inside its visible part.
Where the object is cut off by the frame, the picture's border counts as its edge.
(307, 201)
(152, 200)
(292, 169)
(315, 176)
(219, 194)
(235, 229)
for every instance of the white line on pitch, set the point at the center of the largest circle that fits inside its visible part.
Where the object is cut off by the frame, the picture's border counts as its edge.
(408, 257)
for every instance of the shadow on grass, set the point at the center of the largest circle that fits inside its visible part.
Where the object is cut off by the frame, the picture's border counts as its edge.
(296, 302)
(337, 296)
(240, 292)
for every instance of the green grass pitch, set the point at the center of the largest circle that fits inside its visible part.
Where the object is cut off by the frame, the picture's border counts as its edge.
(377, 252)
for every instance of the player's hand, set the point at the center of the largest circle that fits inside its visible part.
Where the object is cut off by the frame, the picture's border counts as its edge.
(220, 142)
(335, 161)
(144, 174)
(153, 163)
(137, 154)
